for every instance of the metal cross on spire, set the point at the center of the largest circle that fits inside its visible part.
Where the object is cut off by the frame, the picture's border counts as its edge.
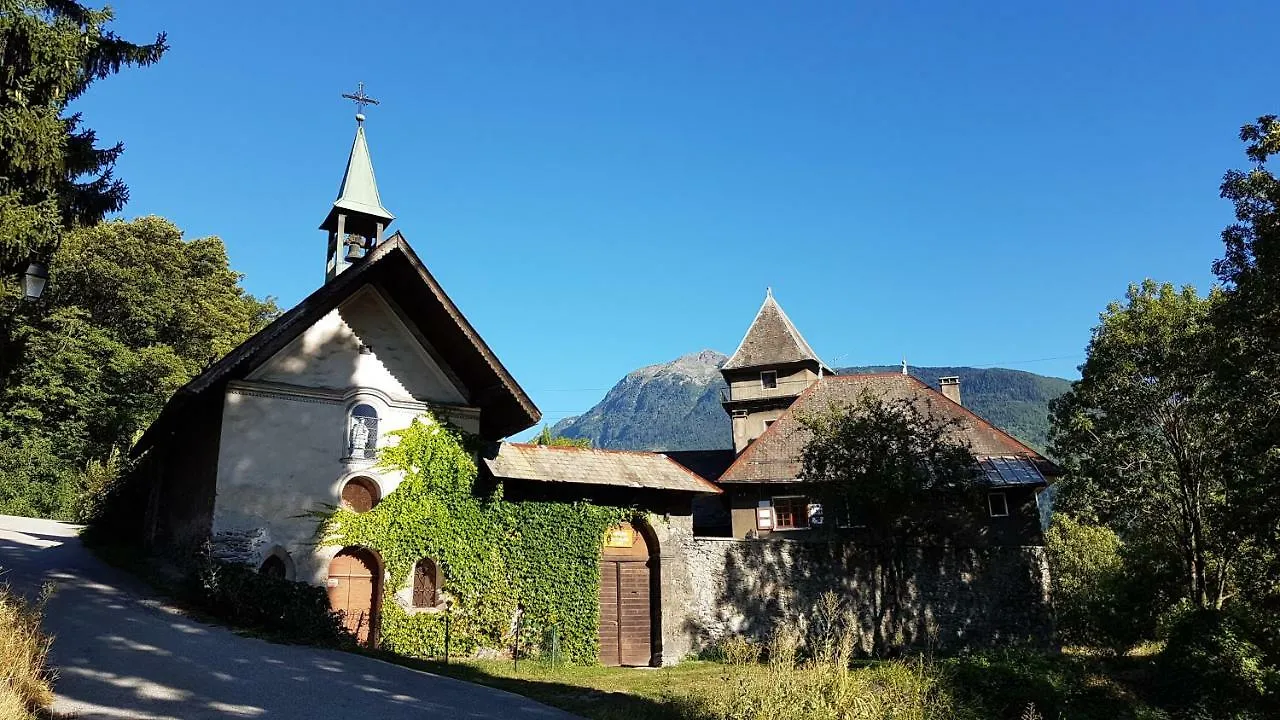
(360, 99)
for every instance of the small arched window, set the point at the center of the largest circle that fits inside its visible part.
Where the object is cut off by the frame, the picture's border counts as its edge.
(359, 495)
(274, 567)
(363, 438)
(426, 584)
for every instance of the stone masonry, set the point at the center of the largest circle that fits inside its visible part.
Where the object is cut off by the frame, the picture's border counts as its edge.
(939, 598)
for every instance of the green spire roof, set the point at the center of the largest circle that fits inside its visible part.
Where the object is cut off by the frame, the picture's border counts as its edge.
(359, 192)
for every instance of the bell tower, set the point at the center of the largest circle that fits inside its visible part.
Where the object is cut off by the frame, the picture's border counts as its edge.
(357, 220)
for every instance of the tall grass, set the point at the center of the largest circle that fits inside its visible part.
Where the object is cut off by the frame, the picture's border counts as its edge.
(24, 679)
(809, 675)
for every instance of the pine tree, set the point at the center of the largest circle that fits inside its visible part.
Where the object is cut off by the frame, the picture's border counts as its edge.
(53, 176)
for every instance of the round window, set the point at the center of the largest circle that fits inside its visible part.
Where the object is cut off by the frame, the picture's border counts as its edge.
(359, 495)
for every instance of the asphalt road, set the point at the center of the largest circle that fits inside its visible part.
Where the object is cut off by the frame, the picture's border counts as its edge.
(120, 654)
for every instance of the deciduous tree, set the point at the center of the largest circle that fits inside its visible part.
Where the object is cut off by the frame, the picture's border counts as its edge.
(1142, 435)
(892, 468)
(1246, 358)
(134, 312)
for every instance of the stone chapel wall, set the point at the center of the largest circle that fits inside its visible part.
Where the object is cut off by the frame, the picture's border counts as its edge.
(951, 598)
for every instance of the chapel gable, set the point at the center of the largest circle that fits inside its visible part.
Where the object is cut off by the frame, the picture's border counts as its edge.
(364, 342)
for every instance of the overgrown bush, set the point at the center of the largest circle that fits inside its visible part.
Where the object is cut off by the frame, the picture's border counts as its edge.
(24, 679)
(1211, 668)
(1101, 598)
(287, 610)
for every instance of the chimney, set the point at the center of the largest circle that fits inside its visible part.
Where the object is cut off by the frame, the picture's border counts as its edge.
(951, 388)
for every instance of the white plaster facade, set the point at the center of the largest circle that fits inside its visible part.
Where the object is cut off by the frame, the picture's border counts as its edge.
(285, 431)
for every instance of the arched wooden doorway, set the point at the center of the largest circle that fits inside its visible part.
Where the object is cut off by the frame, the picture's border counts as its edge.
(355, 586)
(628, 596)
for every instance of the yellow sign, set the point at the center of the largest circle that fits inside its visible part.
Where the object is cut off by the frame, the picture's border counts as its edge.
(622, 536)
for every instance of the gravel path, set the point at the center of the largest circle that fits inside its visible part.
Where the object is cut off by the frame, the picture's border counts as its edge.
(120, 654)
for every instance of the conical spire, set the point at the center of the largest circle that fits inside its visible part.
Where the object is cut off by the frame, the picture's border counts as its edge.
(772, 339)
(358, 196)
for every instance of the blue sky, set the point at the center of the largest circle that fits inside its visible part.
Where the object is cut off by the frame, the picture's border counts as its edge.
(605, 185)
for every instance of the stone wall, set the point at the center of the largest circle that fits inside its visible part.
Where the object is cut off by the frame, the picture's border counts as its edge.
(940, 598)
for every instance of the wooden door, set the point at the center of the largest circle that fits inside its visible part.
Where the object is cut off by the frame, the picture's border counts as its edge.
(625, 602)
(353, 590)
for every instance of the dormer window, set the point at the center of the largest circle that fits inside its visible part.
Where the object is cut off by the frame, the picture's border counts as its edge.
(769, 379)
(363, 437)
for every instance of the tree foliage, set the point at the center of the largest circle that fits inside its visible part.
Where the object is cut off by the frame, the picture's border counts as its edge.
(1141, 435)
(892, 468)
(53, 176)
(1103, 589)
(1247, 349)
(132, 313)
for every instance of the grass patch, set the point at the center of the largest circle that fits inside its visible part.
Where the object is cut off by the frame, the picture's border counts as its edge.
(1007, 686)
(24, 677)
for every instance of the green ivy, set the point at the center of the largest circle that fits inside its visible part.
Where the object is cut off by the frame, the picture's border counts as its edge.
(493, 553)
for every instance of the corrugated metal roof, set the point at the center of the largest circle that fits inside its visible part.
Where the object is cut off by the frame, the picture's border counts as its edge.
(1011, 470)
(519, 461)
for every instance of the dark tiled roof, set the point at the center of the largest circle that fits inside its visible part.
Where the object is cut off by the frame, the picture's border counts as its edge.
(709, 464)
(505, 408)
(775, 455)
(540, 463)
(772, 339)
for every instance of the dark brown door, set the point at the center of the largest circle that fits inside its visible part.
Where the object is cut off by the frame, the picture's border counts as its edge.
(609, 640)
(633, 613)
(625, 603)
(353, 590)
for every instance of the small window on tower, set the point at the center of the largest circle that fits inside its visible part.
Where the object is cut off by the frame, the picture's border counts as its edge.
(769, 379)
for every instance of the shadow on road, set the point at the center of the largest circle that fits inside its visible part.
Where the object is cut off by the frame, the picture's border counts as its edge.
(119, 654)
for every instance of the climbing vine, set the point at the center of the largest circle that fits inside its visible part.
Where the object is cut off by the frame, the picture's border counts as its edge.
(493, 554)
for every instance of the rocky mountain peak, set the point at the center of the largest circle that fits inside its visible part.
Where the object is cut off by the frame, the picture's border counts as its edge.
(700, 367)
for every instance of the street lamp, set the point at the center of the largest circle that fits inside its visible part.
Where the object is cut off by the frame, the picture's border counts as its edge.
(34, 280)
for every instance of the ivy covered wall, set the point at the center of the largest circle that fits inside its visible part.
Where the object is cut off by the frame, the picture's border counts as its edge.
(493, 554)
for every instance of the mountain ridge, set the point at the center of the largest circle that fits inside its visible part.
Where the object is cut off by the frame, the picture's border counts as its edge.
(676, 405)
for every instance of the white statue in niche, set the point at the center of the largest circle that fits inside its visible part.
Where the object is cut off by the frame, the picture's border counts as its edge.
(359, 438)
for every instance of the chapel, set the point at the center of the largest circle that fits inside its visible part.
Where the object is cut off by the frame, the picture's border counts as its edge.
(290, 423)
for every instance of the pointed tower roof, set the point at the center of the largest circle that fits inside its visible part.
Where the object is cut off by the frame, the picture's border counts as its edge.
(772, 339)
(358, 194)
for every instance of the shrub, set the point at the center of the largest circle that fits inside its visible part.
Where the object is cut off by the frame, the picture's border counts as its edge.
(1099, 598)
(288, 610)
(1211, 668)
(24, 679)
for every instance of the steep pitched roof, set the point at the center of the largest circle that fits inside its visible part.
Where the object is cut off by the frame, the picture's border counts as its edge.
(772, 339)
(624, 468)
(775, 455)
(505, 408)
(359, 190)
